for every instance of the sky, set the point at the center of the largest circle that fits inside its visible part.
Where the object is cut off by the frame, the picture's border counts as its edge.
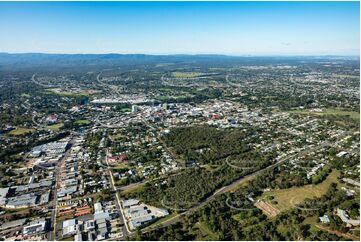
(232, 28)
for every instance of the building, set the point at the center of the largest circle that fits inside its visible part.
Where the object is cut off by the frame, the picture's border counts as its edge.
(78, 237)
(22, 201)
(70, 227)
(3, 194)
(129, 203)
(35, 227)
(346, 219)
(324, 219)
(135, 223)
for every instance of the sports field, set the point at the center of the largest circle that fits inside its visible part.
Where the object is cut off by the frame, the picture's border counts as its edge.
(21, 131)
(82, 122)
(55, 127)
(186, 74)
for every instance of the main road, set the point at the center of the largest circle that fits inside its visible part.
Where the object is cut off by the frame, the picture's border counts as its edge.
(52, 233)
(126, 229)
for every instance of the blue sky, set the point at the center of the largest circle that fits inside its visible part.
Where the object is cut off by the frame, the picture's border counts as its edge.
(233, 28)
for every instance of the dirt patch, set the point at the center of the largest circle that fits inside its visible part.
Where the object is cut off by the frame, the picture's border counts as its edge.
(267, 208)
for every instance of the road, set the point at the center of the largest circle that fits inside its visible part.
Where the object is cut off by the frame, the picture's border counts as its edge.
(52, 233)
(125, 228)
(112, 87)
(40, 84)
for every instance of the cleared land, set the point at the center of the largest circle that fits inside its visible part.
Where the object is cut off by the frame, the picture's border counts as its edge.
(267, 208)
(21, 131)
(285, 199)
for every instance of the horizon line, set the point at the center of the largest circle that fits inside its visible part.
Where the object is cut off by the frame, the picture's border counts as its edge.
(188, 54)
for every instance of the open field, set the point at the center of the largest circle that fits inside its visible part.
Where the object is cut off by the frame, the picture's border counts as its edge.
(178, 74)
(161, 220)
(330, 111)
(82, 122)
(118, 137)
(21, 131)
(76, 93)
(347, 76)
(285, 199)
(55, 127)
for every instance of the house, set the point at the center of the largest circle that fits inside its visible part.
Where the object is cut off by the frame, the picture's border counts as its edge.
(119, 158)
(342, 153)
(324, 219)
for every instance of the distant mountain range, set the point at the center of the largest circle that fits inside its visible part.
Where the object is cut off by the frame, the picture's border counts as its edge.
(29, 60)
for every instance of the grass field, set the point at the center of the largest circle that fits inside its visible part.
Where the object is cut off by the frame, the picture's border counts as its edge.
(66, 94)
(161, 220)
(55, 127)
(178, 74)
(120, 165)
(118, 137)
(164, 98)
(330, 111)
(133, 190)
(348, 76)
(287, 198)
(21, 131)
(25, 95)
(82, 122)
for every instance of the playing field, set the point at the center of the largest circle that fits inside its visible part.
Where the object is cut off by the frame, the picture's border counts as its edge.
(186, 74)
(285, 199)
(82, 122)
(55, 127)
(21, 131)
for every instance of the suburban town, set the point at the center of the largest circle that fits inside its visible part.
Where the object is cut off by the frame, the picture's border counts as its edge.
(180, 121)
(116, 159)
